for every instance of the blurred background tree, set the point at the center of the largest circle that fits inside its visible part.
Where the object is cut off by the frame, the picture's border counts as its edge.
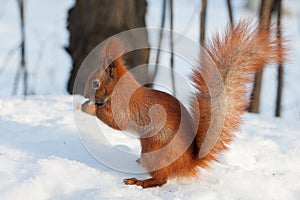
(92, 21)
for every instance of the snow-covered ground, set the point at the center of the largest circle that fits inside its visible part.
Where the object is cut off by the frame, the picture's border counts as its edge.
(49, 64)
(43, 156)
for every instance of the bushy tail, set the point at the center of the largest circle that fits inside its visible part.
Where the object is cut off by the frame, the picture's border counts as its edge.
(227, 65)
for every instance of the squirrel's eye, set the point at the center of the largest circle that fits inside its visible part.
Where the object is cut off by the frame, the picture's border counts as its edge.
(95, 84)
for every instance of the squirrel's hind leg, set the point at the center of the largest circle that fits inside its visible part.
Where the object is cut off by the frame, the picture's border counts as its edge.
(151, 182)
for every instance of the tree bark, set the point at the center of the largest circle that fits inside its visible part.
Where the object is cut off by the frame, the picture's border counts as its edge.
(92, 21)
(229, 7)
(203, 21)
(265, 17)
(172, 47)
(280, 66)
(22, 70)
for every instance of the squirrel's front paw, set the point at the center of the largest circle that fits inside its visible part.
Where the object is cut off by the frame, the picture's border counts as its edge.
(88, 107)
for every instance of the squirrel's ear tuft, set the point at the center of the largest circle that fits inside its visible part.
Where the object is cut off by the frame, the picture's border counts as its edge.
(111, 54)
(113, 49)
(111, 63)
(110, 69)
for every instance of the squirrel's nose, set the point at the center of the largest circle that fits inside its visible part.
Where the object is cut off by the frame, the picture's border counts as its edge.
(89, 94)
(86, 94)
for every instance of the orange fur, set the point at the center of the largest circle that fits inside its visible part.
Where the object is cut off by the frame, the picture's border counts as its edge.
(237, 55)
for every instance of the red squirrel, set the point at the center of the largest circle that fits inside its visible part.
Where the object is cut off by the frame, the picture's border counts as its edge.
(237, 53)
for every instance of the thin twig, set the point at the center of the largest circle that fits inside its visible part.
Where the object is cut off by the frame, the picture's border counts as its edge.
(203, 22)
(8, 57)
(16, 81)
(172, 48)
(229, 7)
(280, 66)
(23, 38)
(163, 19)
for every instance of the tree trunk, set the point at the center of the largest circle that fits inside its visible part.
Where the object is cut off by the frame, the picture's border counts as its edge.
(92, 21)
(172, 46)
(22, 69)
(277, 5)
(203, 21)
(229, 7)
(265, 17)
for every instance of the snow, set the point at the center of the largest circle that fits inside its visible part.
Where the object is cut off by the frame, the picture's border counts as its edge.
(50, 150)
(42, 157)
(46, 35)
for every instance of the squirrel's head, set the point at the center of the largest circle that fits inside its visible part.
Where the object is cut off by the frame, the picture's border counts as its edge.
(101, 82)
